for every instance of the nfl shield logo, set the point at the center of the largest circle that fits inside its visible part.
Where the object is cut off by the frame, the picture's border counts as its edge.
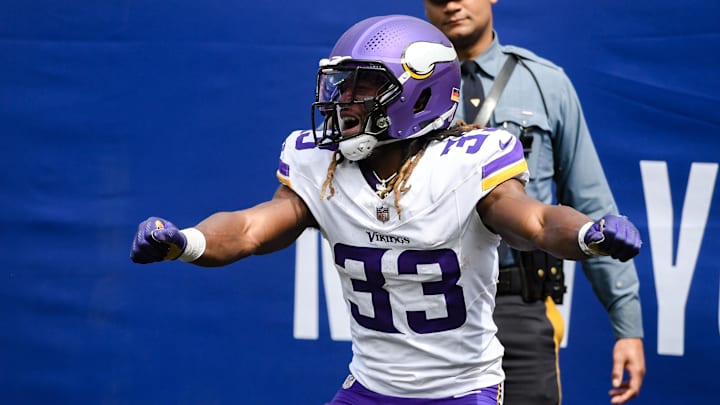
(383, 214)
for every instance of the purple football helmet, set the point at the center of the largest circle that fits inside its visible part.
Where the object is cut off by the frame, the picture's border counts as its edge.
(388, 78)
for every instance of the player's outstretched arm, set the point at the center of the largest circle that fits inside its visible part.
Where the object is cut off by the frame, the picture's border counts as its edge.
(225, 237)
(526, 223)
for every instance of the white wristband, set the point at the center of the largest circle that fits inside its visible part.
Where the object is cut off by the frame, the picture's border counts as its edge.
(581, 240)
(195, 246)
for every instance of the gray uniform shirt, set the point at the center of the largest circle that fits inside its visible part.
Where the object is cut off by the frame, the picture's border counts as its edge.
(564, 166)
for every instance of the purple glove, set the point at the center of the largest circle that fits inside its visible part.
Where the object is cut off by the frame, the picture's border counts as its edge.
(157, 240)
(613, 236)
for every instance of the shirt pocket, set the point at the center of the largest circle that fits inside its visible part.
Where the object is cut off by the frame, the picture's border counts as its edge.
(533, 130)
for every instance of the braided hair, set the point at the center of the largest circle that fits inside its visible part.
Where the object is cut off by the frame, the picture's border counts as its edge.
(413, 152)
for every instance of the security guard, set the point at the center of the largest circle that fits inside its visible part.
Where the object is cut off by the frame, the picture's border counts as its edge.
(540, 106)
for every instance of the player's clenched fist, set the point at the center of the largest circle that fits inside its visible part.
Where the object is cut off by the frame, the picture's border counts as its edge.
(613, 236)
(156, 240)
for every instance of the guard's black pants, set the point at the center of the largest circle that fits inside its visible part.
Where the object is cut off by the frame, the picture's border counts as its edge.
(531, 333)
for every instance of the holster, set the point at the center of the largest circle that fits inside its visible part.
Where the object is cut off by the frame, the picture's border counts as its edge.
(534, 275)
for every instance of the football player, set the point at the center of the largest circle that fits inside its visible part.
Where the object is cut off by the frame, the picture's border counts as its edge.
(382, 161)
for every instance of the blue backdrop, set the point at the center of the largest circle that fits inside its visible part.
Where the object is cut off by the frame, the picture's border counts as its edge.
(117, 110)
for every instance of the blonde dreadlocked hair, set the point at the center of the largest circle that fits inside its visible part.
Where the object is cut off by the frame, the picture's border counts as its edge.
(414, 151)
(337, 157)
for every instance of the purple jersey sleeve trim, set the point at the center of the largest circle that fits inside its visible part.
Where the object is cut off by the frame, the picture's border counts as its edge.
(284, 168)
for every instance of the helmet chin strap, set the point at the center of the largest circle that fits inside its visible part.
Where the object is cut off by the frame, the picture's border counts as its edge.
(361, 146)
(358, 147)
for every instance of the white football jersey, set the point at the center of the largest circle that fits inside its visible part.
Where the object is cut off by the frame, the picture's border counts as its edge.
(420, 287)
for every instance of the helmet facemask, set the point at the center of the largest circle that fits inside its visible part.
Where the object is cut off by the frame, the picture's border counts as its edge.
(350, 106)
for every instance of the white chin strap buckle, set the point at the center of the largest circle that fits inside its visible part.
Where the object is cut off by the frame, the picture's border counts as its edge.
(358, 147)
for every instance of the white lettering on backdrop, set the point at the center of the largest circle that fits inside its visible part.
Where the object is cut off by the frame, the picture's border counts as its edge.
(672, 281)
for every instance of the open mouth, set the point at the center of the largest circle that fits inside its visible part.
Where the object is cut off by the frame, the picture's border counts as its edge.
(349, 125)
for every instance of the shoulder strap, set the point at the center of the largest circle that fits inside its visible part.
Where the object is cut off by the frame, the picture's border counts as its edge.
(496, 90)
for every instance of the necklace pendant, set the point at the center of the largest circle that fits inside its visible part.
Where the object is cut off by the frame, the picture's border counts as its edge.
(380, 188)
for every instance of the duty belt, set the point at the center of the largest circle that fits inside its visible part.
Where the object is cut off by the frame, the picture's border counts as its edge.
(535, 275)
